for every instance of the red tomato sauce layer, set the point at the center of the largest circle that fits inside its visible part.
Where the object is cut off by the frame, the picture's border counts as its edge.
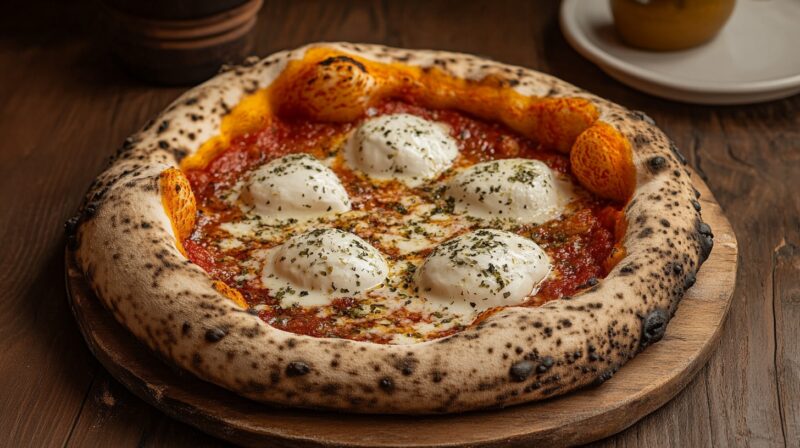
(578, 244)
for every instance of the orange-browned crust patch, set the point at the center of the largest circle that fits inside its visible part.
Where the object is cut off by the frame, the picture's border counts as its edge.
(602, 161)
(179, 203)
(230, 293)
(329, 85)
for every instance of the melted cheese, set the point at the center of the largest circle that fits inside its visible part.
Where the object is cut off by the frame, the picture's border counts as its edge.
(523, 190)
(402, 147)
(296, 186)
(480, 270)
(312, 268)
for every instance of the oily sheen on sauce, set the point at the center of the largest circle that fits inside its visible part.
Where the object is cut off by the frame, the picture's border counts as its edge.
(577, 243)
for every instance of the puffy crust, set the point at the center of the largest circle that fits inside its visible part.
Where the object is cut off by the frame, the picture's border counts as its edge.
(126, 247)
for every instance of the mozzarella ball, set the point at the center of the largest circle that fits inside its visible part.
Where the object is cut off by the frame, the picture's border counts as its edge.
(480, 270)
(312, 268)
(403, 147)
(295, 186)
(524, 190)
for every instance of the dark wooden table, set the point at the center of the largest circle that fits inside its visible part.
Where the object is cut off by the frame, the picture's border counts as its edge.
(65, 107)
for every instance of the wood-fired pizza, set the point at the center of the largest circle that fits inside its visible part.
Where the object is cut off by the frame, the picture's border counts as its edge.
(372, 229)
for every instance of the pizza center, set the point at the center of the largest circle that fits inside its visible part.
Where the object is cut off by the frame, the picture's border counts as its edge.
(378, 203)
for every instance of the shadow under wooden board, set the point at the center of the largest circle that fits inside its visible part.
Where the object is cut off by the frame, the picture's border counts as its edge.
(640, 387)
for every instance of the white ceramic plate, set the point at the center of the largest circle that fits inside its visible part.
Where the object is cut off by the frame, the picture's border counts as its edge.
(756, 57)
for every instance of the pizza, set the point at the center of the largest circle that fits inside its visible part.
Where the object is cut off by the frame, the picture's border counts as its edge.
(380, 230)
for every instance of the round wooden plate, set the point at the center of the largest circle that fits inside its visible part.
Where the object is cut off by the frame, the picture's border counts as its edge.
(641, 386)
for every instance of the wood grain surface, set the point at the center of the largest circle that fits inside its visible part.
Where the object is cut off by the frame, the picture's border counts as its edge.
(644, 384)
(65, 107)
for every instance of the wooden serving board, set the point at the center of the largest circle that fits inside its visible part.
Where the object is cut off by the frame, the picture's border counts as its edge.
(641, 386)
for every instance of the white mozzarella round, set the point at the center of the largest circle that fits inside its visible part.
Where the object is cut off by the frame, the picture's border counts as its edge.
(312, 268)
(403, 147)
(480, 270)
(295, 186)
(523, 190)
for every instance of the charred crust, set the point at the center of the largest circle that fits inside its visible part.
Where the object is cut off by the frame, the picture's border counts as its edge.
(677, 152)
(162, 127)
(215, 334)
(654, 325)
(706, 240)
(71, 230)
(641, 116)
(297, 368)
(521, 370)
(545, 365)
(696, 205)
(386, 384)
(656, 164)
(163, 144)
(604, 376)
(334, 59)
(406, 366)
(593, 281)
(690, 280)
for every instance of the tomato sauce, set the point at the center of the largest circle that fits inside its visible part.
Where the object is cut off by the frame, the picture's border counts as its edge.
(578, 244)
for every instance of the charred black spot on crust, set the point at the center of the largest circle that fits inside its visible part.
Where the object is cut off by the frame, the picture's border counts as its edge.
(628, 269)
(163, 144)
(163, 126)
(406, 365)
(674, 148)
(342, 58)
(603, 377)
(696, 205)
(297, 368)
(593, 281)
(644, 233)
(186, 328)
(664, 222)
(437, 376)
(386, 384)
(190, 101)
(532, 387)
(656, 164)
(179, 153)
(653, 327)
(215, 334)
(545, 365)
(706, 240)
(641, 116)
(521, 370)
(689, 281)
(70, 230)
